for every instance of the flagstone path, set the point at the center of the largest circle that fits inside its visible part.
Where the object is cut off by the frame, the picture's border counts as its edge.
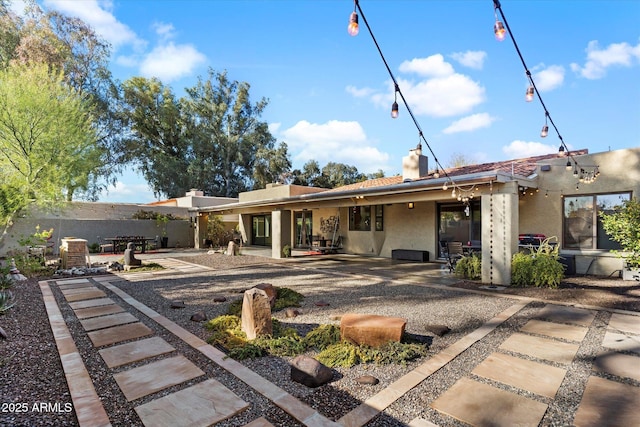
(534, 359)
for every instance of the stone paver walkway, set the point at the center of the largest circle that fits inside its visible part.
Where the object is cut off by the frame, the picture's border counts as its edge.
(533, 359)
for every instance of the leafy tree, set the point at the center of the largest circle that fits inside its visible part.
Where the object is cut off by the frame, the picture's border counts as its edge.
(157, 143)
(70, 46)
(459, 159)
(48, 144)
(623, 225)
(378, 174)
(211, 139)
(339, 174)
(271, 166)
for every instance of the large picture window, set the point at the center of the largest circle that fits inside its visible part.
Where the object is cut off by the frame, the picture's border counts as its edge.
(582, 227)
(360, 218)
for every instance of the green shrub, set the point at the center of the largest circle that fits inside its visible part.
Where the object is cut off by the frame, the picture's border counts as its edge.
(322, 337)
(469, 267)
(7, 300)
(539, 268)
(286, 297)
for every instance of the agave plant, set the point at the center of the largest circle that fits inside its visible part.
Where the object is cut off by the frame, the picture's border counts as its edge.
(7, 300)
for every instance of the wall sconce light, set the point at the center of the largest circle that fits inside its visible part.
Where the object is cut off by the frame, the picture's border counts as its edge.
(410, 205)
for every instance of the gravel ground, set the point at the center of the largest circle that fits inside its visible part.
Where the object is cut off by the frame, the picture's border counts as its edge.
(30, 370)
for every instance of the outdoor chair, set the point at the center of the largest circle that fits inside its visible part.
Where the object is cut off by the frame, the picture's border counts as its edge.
(105, 246)
(453, 254)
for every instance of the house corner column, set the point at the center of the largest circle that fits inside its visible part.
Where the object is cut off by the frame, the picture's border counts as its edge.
(280, 232)
(500, 219)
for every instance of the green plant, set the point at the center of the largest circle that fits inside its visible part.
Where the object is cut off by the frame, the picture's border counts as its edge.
(286, 251)
(7, 300)
(623, 226)
(216, 232)
(286, 297)
(5, 280)
(469, 267)
(94, 248)
(322, 337)
(539, 268)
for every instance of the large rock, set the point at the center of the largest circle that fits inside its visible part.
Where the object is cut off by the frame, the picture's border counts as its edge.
(308, 371)
(256, 314)
(232, 248)
(371, 329)
(270, 290)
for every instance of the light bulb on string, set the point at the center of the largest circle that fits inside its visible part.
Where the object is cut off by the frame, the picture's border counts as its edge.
(445, 186)
(568, 165)
(529, 95)
(499, 30)
(394, 106)
(436, 174)
(561, 149)
(353, 29)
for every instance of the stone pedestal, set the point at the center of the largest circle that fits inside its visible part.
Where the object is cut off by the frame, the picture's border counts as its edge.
(371, 329)
(256, 314)
(74, 253)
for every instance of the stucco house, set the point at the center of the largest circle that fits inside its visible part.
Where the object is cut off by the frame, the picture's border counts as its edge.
(488, 206)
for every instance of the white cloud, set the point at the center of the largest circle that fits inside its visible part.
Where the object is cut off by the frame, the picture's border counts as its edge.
(170, 62)
(431, 66)
(274, 127)
(98, 15)
(470, 123)
(359, 93)
(164, 31)
(471, 58)
(443, 96)
(598, 60)
(549, 78)
(520, 149)
(133, 191)
(334, 141)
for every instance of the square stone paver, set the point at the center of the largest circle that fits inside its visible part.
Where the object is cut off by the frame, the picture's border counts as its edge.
(86, 313)
(625, 323)
(621, 342)
(83, 294)
(156, 376)
(563, 314)
(524, 374)
(541, 348)
(556, 330)
(484, 405)
(91, 303)
(118, 334)
(621, 365)
(608, 403)
(107, 321)
(72, 281)
(133, 351)
(202, 404)
(85, 284)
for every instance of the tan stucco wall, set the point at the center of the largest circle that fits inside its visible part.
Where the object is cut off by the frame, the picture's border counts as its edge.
(541, 212)
(277, 191)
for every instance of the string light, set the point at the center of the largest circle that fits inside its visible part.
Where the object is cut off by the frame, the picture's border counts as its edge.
(498, 28)
(529, 95)
(564, 149)
(394, 107)
(353, 29)
(545, 128)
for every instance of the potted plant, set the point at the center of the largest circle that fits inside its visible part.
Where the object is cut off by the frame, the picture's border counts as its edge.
(623, 226)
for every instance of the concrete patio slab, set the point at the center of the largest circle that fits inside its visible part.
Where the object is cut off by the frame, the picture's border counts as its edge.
(608, 403)
(621, 365)
(419, 422)
(72, 281)
(117, 334)
(621, 342)
(524, 374)
(107, 321)
(555, 330)
(87, 313)
(144, 380)
(480, 404)
(541, 348)
(625, 323)
(91, 303)
(259, 422)
(124, 354)
(564, 314)
(200, 405)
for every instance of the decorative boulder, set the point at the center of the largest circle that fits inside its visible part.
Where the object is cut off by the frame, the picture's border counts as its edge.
(270, 290)
(308, 371)
(371, 329)
(256, 314)
(199, 316)
(232, 248)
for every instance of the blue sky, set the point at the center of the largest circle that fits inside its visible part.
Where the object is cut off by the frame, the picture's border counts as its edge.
(330, 94)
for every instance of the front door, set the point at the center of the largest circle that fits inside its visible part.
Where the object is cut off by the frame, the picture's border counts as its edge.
(304, 229)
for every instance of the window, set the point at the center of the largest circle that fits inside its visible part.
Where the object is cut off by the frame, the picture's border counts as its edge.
(582, 227)
(360, 218)
(379, 218)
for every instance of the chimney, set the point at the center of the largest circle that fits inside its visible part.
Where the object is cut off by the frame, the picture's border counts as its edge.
(414, 166)
(194, 192)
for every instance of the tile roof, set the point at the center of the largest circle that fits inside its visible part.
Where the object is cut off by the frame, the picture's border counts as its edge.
(521, 167)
